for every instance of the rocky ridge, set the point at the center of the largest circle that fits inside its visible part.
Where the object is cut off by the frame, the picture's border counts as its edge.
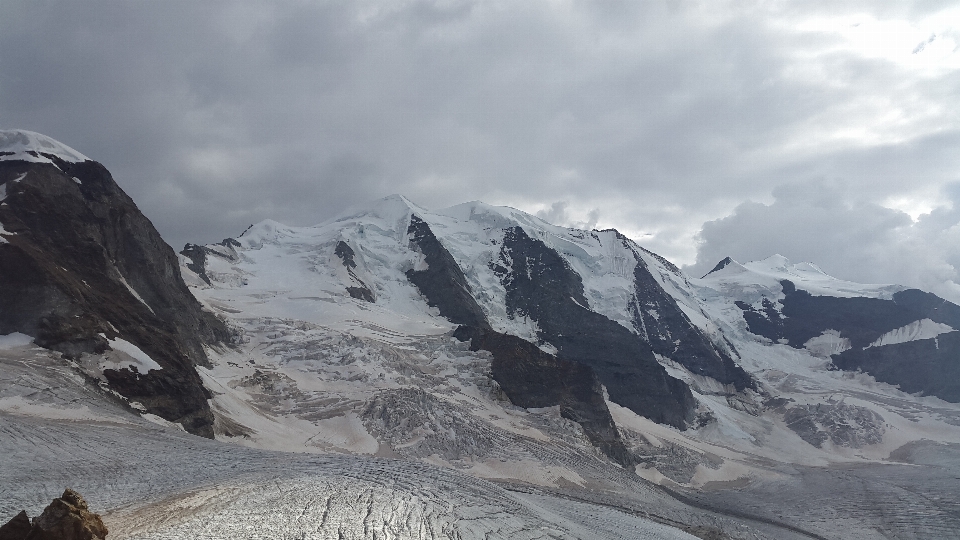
(66, 518)
(84, 272)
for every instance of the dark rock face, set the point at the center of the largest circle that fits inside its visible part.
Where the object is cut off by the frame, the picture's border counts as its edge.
(670, 333)
(766, 321)
(81, 262)
(529, 376)
(360, 293)
(540, 284)
(720, 266)
(17, 528)
(443, 283)
(66, 518)
(931, 366)
(803, 316)
(198, 260)
(346, 254)
(532, 378)
(929, 306)
(199, 255)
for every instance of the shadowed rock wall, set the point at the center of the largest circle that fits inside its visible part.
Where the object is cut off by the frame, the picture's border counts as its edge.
(81, 264)
(541, 285)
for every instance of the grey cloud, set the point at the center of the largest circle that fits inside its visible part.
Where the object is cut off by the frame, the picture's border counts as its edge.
(658, 115)
(558, 214)
(859, 242)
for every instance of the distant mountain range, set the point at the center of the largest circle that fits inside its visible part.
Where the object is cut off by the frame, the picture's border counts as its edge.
(474, 337)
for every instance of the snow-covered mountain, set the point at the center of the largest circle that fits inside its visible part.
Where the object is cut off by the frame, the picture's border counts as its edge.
(390, 278)
(904, 337)
(473, 350)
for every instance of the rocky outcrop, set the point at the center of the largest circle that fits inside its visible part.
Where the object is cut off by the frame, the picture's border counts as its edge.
(66, 518)
(927, 366)
(80, 266)
(417, 424)
(198, 260)
(839, 423)
(930, 366)
(17, 528)
(532, 378)
(659, 320)
(800, 316)
(720, 266)
(360, 291)
(541, 285)
(197, 256)
(442, 281)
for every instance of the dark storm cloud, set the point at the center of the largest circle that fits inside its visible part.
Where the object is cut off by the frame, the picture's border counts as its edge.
(653, 117)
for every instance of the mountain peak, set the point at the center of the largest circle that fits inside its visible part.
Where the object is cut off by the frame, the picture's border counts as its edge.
(780, 264)
(391, 210)
(726, 262)
(23, 145)
(775, 261)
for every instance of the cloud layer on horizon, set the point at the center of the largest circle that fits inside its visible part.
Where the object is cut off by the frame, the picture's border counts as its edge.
(652, 117)
(858, 241)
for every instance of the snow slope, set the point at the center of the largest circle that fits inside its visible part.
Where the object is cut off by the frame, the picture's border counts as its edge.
(345, 408)
(320, 370)
(156, 482)
(23, 145)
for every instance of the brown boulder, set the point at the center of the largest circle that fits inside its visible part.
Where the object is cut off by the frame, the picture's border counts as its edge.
(66, 518)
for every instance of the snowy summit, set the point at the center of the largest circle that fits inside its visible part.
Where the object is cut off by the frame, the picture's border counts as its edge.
(23, 145)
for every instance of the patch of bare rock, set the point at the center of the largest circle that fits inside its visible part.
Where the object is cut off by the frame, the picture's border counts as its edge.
(66, 518)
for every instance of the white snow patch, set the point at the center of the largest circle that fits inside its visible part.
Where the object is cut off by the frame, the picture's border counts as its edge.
(827, 343)
(729, 472)
(922, 329)
(161, 421)
(5, 232)
(14, 340)
(20, 142)
(345, 432)
(135, 293)
(133, 357)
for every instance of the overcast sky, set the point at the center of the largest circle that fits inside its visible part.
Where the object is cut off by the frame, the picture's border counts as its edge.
(823, 131)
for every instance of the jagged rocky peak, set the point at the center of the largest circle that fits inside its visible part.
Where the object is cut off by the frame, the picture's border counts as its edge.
(728, 264)
(543, 285)
(17, 528)
(66, 518)
(359, 290)
(591, 297)
(441, 280)
(85, 273)
(533, 378)
(197, 255)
